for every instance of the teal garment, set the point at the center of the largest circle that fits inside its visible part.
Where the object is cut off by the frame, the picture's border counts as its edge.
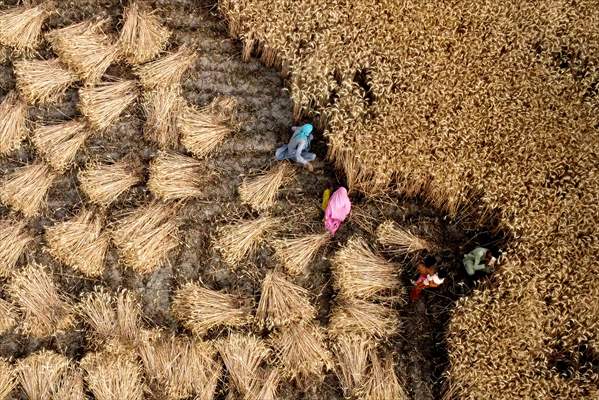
(474, 261)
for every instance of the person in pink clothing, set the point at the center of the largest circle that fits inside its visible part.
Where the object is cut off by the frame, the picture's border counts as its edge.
(337, 209)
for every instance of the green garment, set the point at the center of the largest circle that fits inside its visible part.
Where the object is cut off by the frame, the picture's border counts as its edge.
(474, 261)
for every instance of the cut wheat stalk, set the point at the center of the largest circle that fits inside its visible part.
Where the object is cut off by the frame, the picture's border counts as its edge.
(162, 107)
(142, 37)
(58, 144)
(168, 70)
(266, 387)
(243, 356)
(45, 310)
(13, 122)
(147, 236)
(26, 187)
(238, 241)
(358, 272)
(203, 130)
(382, 382)
(352, 353)
(282, 302)
(174, 176)
(70, 386)
(43, 81)
(260, 192)
(296, 254)
(353, 316)
(113, 375)
(21, 27)
(302, 352)
(8, 317)
(13, 240)
(401, 241)
(80, 28)
(104, 183)
(40, 374)
(8, 379)
(80, 243)
(200, 309)
(103, 104)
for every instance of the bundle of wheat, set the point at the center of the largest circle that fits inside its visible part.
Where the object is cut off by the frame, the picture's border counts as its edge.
(266, 386)
(382, 382)
(147, 235)
(162, 107)
(142, 37)
(282, 302)
(401, 241)
(168, 70)
(261, 191)
(200, 309)
(13, 241)
(296, 254)
(70, 386)
(113, 375)
(237, 241)
(8, 317)
(40, 374)
(42, 81)
(58, 144)
(352, 353)
(302, 352)
(103, 104)
(26, 187)
(7, 379)
(174, 176)
(243, 356)
(203, 130)
(104, 183)
(13, 127)
(353, 316)
(44, 308)
(80, 243)
(21, 27)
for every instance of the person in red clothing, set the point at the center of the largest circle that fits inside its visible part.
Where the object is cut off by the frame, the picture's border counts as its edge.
(428, 277)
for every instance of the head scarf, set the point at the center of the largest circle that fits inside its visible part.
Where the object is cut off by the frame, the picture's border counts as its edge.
(304, 131)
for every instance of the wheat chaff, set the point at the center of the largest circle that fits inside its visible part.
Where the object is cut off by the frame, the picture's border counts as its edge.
(58, 144)
(162, 107)
(174, 176)
(103, 183)
(104, 103)
(297, 253)
(354, 316)
(239, 240)
(26, 187)
(168, 70)
(260, 192)
(14, 238)
(113, 375)
(43, 81)
(40, 374)
(142, 37)
(282, 302)
(382, 382)
(401, 241)
(21, 27)
(8, 379)
(352, 354)
(13, 122)
(200, 309)
(8, 317)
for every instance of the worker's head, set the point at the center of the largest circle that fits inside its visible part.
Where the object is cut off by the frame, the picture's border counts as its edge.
(490, 259)
(442, 273)
(306, 130)
(429, 260)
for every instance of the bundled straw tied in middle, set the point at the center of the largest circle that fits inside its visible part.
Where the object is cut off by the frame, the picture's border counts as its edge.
(168, 70)
(7, 379)
(297, 253)
(14, 238)
(201, 309)
(162, 107)
(59, 143)
(43, 81)
(260, 192)
(8, 316)
(352, 354)
(21, 27)
(13, 122)
(147, 235)
(238, 240)
(104, 103)
(26, 187)
(174, 176)
(40, 374)
(353, 316)
(103, 183)
(112, 375)
(401, 241)
(382, 382)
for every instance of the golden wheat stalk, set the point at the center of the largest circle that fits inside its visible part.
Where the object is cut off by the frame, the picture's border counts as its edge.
(58, 144)
(203, 130)
(26, 187)
(8, 317)
(113, 375)
(142, 37)
(266, 386)
(97, 310)
(8, 379)
(352, 353)
(260, 192)
(302, 352)
(168, 70)
(353, 316)
(147, 236)
(104, 183)
(400, 240)
(296, 254)
(70, 386)
(282, 302)
(358, 272)
(13, 122)
(382, 382)
(44, 308)
(243, 355)
(200, 309)
(80, 28)
(39, 374)
(14, 239)
(239, 240)
(21, 27)
(162, 107)
(103, 104)
(174, 176)
(42, 81)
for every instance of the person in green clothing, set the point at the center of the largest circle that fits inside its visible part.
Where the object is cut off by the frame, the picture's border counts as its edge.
(479, 259)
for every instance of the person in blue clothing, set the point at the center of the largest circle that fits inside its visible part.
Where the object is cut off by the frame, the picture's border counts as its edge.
(298, 148)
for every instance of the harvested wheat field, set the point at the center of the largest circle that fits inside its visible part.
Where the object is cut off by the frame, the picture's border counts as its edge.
(153, 248)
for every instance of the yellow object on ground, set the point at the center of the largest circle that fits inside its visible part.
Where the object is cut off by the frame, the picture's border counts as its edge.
(325, 198)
